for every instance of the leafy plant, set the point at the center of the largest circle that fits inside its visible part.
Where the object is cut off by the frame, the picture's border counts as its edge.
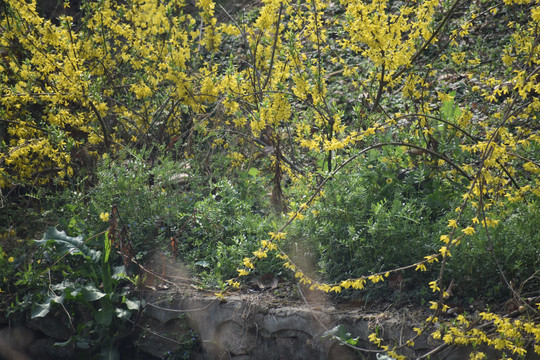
(93, 297)
(225, 227)
(340, 333)
(150, 196)
(373, 219)
(510, 254)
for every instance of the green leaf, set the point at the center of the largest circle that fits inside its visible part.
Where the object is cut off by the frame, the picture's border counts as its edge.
(69, 244)
(106, 277)
(132, 304)
(123, 314)
(40, 310)
(104, 317)
(65, 284)
(119, 272)
(203, 263)
(107, 247)
(91, 293)
(65, 343)
(449, 110)
(74, 291)
(341, 333)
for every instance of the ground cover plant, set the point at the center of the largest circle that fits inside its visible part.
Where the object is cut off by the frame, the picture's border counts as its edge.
(373, 138)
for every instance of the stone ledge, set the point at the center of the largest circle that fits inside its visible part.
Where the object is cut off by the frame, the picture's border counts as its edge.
(253, 326)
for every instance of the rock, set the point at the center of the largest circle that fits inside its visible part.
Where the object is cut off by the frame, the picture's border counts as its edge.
(158, 339)
(236, 337)
(46, 349)
(252, 327)
(52, 325)
(247, 326)
(14, 343)
(22, 343)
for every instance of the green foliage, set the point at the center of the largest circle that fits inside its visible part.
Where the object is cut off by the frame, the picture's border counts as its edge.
(375, 218)
(149, 195)
(92, 293)
(511, 250)
(67, 244)
(215, 223)
(19, 276)
(225, 227)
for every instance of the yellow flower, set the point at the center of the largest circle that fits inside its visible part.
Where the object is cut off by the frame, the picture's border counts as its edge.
(242, 272)
(278, 235)
(11, 259)
(469, 230)
(104, 216)
(260, 253)
(444, 251)
(248, 264)
(296, 215)
(452, 223)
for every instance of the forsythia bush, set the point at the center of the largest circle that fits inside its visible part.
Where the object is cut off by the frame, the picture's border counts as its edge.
(114, 76)
(136, 72)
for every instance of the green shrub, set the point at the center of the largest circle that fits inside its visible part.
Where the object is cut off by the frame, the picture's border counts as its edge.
(88, 288)
(227, 226)
(512, 250)
(149, 194)
(375, 218)
(215, 222)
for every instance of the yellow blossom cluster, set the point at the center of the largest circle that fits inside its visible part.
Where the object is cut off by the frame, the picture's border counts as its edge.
(508, 335)
(67, 89)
